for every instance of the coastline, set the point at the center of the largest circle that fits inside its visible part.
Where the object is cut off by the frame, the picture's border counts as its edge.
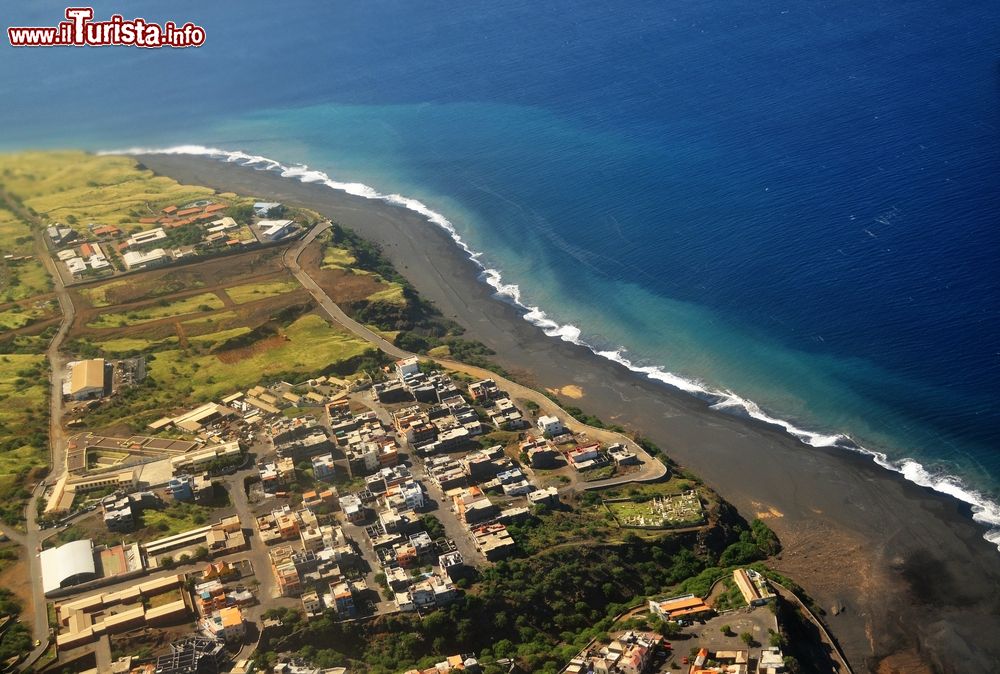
(856, 536)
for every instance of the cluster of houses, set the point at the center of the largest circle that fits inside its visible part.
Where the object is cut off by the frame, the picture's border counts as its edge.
(87, 259)
(737, 661)
(309, 555)
(628, 653)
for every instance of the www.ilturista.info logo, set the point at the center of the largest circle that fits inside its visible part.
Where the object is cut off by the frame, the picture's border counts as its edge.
(80, 30)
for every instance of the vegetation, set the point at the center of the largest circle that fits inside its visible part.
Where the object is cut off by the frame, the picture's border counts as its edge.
(76, 188)
(177, 377)
(251, 292)
(161, 309)
(23, 428)
(16, 640)
(176, 518)
(19, 279)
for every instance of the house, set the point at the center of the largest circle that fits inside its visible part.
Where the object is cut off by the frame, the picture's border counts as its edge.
(407, 366)
(547, 496)
(76, 266)
(541, 452)
(486, 389)
(586, 456)
(622, 456)
(343, 598)
(550, 426)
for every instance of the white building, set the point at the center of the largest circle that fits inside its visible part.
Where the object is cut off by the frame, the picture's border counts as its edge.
(275, 230)
(407, 366)
(146, 238)
(550, 426)
(69, 564)
(139, 260)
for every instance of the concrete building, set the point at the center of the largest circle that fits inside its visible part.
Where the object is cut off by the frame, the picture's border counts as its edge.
(276, 230)
(550, 426)
(135, 260)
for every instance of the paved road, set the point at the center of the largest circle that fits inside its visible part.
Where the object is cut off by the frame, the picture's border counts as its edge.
(32, 539)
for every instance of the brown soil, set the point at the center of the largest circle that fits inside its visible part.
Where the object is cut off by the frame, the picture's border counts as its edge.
(342, 286)
(17, 579)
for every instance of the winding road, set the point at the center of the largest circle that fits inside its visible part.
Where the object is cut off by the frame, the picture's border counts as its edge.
(650, 469)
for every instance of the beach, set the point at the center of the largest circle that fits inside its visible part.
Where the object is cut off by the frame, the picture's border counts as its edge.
(903, 573)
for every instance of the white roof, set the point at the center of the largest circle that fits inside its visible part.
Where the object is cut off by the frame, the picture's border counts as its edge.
(66, 561)
(271, 226)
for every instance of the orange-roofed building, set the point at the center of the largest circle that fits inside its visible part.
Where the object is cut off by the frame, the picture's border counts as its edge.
(686, 606)
(170, 209)
(188, 211)
(215, 208)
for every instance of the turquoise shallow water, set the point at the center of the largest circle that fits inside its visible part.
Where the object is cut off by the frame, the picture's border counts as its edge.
(790, 205)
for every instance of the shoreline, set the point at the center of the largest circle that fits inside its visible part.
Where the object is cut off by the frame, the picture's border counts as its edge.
(898, 547)
(981, 509)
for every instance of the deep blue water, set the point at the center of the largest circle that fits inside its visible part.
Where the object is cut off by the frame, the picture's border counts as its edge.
(795, 202)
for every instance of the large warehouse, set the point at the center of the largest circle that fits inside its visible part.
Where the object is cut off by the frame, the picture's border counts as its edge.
(69, 564)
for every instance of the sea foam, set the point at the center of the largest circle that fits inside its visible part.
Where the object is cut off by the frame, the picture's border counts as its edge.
(984, 511)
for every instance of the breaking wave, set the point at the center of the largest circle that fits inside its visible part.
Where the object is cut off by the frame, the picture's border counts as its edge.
(984, 511)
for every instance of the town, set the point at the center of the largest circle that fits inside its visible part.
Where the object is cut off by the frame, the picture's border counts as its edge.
(204, 518)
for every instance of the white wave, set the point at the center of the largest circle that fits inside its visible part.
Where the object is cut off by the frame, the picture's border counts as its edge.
(984, 511)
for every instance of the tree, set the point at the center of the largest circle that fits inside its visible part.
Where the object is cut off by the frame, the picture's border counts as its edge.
(167, 562)
(747, 638)
(727, 630)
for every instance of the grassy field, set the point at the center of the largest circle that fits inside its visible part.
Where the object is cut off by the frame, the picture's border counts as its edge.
(307, 345)
(337, 258)
(252, 292)
(25, 278)
(219, 337)
(176, 518)
(124, 345)
(391, 294)
(162, 309)
(218, 317)
(179, 377)
(76, 188)
(99, 296)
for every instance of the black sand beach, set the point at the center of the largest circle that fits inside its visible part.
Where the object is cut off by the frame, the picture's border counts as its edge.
(903, 573)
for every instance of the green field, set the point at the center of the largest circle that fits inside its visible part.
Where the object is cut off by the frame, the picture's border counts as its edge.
(217, 317)
(76, 188)
(180, 377)
(337, 258)
(18, 316)
(220, 336)
(153, 312)
(308, 345)
(24, 278)
(393, 294)
(98, 295)
(251, 292)
(176, 518)
(124, 345)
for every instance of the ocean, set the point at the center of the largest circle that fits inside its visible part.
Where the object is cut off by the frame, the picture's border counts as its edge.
(786, 208)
